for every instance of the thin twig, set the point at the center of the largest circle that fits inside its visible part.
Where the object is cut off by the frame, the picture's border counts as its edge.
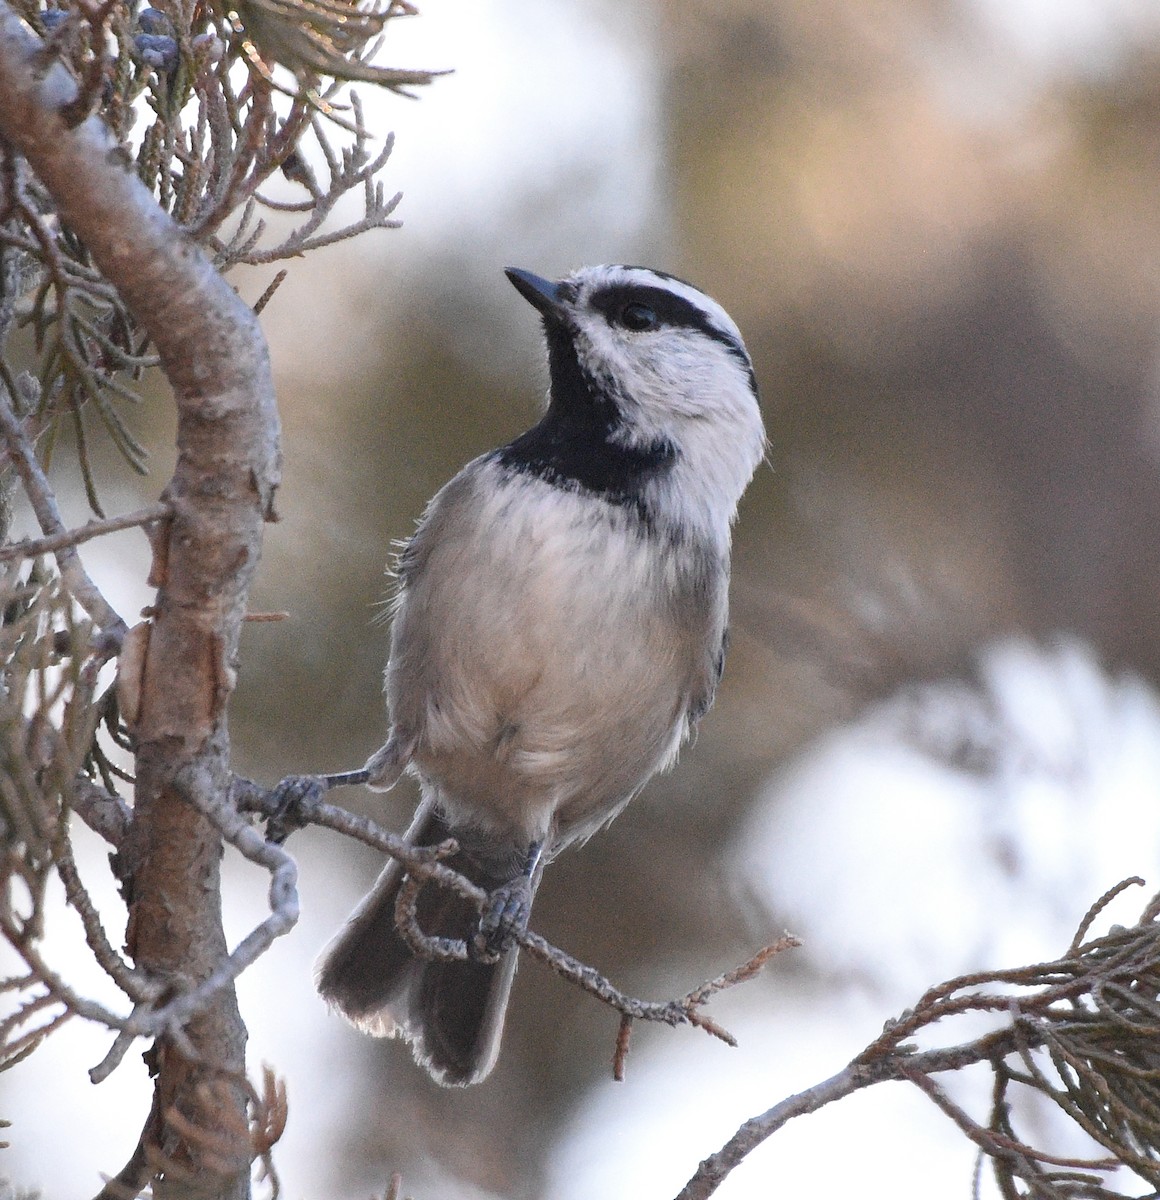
(422, 864)
(620, 1053)
(994, 1144)
(1102, 990)
(40, 494)
(32, 547)
(712, 1171)
(135, 985)
(105, 813)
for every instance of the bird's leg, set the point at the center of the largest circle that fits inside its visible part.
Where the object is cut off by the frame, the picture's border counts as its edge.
(507, 910)
(346, 778)
(287, 798)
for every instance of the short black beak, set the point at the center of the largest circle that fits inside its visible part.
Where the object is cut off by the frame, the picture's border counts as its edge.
(540, 293)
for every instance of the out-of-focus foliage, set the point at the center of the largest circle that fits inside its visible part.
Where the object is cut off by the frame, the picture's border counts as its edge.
(943, 243)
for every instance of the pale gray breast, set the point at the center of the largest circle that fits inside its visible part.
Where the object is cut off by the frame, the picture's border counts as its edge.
(545, 654)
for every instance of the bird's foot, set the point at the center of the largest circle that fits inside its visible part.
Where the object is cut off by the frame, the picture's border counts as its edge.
(287, 798)
(504, 918)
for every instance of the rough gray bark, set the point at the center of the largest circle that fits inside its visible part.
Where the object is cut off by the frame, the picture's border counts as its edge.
(213, 354)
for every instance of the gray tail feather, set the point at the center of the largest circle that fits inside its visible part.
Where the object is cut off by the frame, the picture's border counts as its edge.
(451, 1013)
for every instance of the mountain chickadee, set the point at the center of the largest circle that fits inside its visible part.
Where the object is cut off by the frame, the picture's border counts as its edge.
(559, 628)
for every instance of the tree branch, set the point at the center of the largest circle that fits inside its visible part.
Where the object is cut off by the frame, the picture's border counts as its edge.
(212, 351)
(1101, 992)
(298, 801)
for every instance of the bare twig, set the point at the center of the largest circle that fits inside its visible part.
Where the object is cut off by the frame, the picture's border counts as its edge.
(32, 547)
(712, 1171)
(271, 288)
(135, 985)
(171, 1016)
(197, 787)
(423, 864)
(407, 916)
(310, 809)
(44, 505)
(620, 1052)
(1102, 993)
(103, 812)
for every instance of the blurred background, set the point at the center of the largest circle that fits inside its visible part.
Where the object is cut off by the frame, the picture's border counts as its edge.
(937, 223)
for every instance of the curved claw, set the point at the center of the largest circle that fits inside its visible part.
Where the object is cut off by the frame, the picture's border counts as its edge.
(504, 918)
(288, 796)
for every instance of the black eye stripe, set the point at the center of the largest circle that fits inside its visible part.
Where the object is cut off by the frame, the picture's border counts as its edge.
(672, 310)
(669, 308)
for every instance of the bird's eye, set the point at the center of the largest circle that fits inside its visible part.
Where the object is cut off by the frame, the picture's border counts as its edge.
(638, 317)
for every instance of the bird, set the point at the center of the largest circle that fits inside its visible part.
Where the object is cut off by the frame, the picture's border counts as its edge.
(559, 627)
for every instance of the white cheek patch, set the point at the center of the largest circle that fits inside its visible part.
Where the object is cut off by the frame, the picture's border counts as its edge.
(688, 386)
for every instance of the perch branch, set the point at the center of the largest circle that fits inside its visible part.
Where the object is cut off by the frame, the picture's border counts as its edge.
(423, 863)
